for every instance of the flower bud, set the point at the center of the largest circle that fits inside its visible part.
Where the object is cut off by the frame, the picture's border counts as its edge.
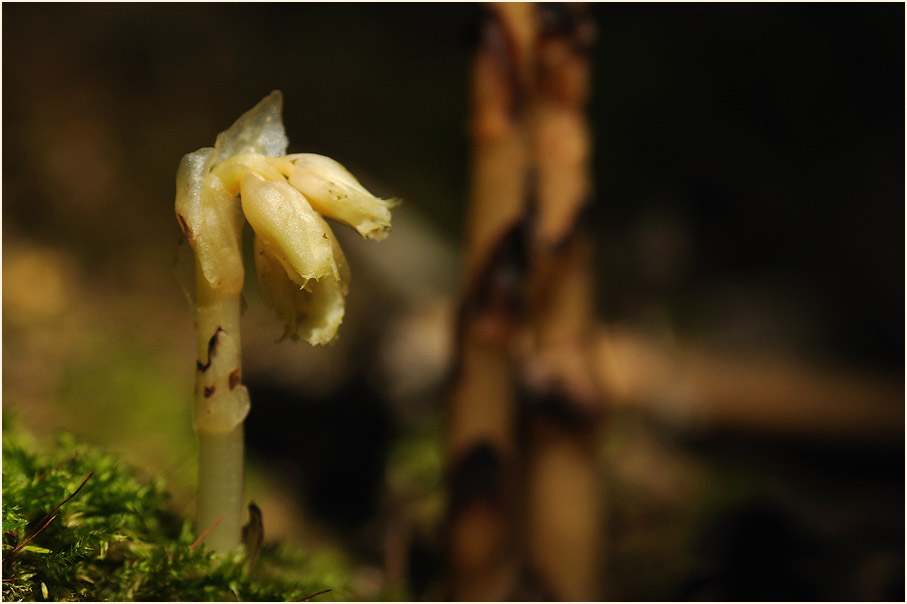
(335, 193)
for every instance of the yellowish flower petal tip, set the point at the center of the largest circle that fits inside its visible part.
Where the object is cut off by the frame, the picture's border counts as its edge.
(337, 194)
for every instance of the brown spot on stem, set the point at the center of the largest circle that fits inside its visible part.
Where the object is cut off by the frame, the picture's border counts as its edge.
(233, 379)
(477, 475)
(209, 390)
(187, 230)
(570, 23)
(583, 217)
(558, 406)
(212, 348)
(496, 294)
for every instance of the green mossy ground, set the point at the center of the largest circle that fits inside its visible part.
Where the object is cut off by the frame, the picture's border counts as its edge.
(114, 539)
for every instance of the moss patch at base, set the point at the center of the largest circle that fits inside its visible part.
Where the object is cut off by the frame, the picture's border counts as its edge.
(78, 525)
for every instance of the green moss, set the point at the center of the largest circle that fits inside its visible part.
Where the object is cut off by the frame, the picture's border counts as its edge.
(114, 539)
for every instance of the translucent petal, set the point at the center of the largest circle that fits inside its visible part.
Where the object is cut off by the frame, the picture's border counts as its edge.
(336, 193)
(258, 130)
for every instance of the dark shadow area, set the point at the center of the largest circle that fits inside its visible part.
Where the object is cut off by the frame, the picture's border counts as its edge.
(333, 449)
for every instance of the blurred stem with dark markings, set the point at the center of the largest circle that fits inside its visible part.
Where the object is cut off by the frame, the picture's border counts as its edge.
(525, 504)
(482, 550)
(561, 404)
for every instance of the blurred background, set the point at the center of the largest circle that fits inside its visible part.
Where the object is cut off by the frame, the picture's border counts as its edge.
(749, 178)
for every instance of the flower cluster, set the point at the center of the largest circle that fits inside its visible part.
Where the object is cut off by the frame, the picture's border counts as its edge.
(302, 273)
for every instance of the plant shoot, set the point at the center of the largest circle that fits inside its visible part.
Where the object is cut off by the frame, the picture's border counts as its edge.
(302, 274)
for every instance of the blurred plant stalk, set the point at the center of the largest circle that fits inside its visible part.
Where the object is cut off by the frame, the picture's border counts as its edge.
(484, 493)
(526, 508)
(561, 401)
(697, 389)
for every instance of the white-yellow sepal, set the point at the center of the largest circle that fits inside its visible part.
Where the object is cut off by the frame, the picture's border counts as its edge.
(313, 312)
(302, 273)
(335, 193)
(211, 220)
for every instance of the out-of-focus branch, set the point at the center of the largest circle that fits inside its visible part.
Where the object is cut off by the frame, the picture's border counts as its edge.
(525, 513)
(482, 559)
(561, 405)
(501, 84)
(698, 389)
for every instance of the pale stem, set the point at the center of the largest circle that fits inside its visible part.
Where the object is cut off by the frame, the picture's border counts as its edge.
(220, 488)
(221, 404)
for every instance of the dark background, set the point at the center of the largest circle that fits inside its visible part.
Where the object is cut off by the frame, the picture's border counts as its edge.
(749, 178)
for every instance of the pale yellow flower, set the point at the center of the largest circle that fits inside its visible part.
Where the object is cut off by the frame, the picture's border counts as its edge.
(302, 272)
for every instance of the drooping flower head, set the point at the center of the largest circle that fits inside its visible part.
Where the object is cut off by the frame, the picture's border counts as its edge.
(302, 273)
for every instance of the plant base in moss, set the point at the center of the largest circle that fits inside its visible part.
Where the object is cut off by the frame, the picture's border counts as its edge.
(77, 525)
